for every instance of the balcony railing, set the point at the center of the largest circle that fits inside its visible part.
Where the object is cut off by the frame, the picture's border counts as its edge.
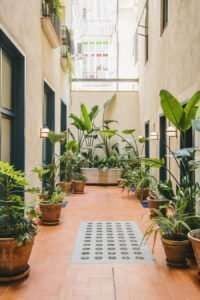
(51, 19)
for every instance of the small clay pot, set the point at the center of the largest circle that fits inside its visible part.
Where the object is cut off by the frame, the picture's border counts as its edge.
(14, 259)
(176, 252)
(142, 194)
(66, 186)
(155, 204)
(50, 213)
(194, 237)
(78, 186)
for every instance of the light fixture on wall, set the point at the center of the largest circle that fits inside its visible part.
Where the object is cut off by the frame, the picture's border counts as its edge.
(154, 135)
(171, 131)
(44, 132)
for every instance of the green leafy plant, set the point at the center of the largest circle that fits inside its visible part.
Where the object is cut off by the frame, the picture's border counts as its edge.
(15, 220)
(181, 117)
(47, 174)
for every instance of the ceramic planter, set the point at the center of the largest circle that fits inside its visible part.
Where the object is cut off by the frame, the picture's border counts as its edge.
(66, 187)
(194, 237)
(14, 259)
(50, 213)
(97, 176)
(176, 252)
(78, 186)
(155, 204)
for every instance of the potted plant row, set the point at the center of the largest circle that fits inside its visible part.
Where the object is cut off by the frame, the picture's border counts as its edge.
(180, 225)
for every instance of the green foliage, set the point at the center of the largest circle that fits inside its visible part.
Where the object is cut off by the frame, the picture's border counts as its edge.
(13, 220)
(79, 177)
(180, 117)
(175, 225)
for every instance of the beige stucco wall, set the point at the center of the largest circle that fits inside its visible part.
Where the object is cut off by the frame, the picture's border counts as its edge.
(125, 109)
(174, 59)
(21, 22)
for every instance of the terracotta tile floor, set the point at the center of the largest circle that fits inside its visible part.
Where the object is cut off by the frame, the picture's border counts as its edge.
(54, 277)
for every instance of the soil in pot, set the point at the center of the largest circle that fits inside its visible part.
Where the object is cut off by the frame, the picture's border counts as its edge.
(194, 237)
(14, 259)
(176, 252)
(155, 204)
(78, 187)
(50, 213)
(66, 187)
(142, 194)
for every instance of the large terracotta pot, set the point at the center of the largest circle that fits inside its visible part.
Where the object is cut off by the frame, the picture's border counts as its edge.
(14, 259)
(50, 213)
(66, 187)
(194, 237)
(176, 252)
(78, 186)
(142, 194)
(155, 204)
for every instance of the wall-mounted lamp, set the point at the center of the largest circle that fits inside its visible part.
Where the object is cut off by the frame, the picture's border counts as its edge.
(171, 131)
(153, 136)
(44, 132)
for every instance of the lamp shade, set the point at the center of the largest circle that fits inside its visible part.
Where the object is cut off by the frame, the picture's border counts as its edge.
(171, 131)
(44, 132)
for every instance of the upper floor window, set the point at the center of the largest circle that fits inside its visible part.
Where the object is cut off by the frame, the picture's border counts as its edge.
(164, 14)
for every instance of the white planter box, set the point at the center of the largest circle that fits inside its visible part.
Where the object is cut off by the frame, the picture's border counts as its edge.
(102, 176)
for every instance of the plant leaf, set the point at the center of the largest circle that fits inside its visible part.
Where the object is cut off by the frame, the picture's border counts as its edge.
(190, 111)
(86, 117)
(128, 131)
(171, 108)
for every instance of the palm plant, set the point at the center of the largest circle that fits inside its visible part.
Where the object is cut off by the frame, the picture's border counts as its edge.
(85, 126)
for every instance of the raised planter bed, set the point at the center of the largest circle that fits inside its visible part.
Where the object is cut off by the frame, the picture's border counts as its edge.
(97, 176)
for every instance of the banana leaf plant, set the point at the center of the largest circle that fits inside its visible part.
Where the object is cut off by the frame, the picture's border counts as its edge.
(181, 117)
(85, 126)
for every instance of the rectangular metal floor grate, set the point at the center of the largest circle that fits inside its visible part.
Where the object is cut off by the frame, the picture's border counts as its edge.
(110, 242)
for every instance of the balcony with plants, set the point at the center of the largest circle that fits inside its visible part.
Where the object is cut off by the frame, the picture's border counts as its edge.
(51, 21)
(66, 50)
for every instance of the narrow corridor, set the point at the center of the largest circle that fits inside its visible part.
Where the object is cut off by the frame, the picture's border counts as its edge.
(55, 277)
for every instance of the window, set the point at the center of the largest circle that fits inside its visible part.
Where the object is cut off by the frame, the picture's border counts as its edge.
(63, 118)
(164, 14)
(147, 147)
(146, 54)
(63, 127)
(48, 121)
(11, 103)
(163, 143)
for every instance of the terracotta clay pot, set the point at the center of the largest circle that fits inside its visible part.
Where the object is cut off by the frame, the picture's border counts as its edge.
(155, 204)
(66, 187)
(176, 252)
(142, 194)
(14, 259)
(50, 213)
(78, 187)
(194, 237)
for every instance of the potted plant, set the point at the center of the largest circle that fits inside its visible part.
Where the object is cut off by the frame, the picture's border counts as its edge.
(78, 183)
(67, 163)
(17, 225)
(194, 237)
(51, 197)
(162, 193)
(174, 227)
